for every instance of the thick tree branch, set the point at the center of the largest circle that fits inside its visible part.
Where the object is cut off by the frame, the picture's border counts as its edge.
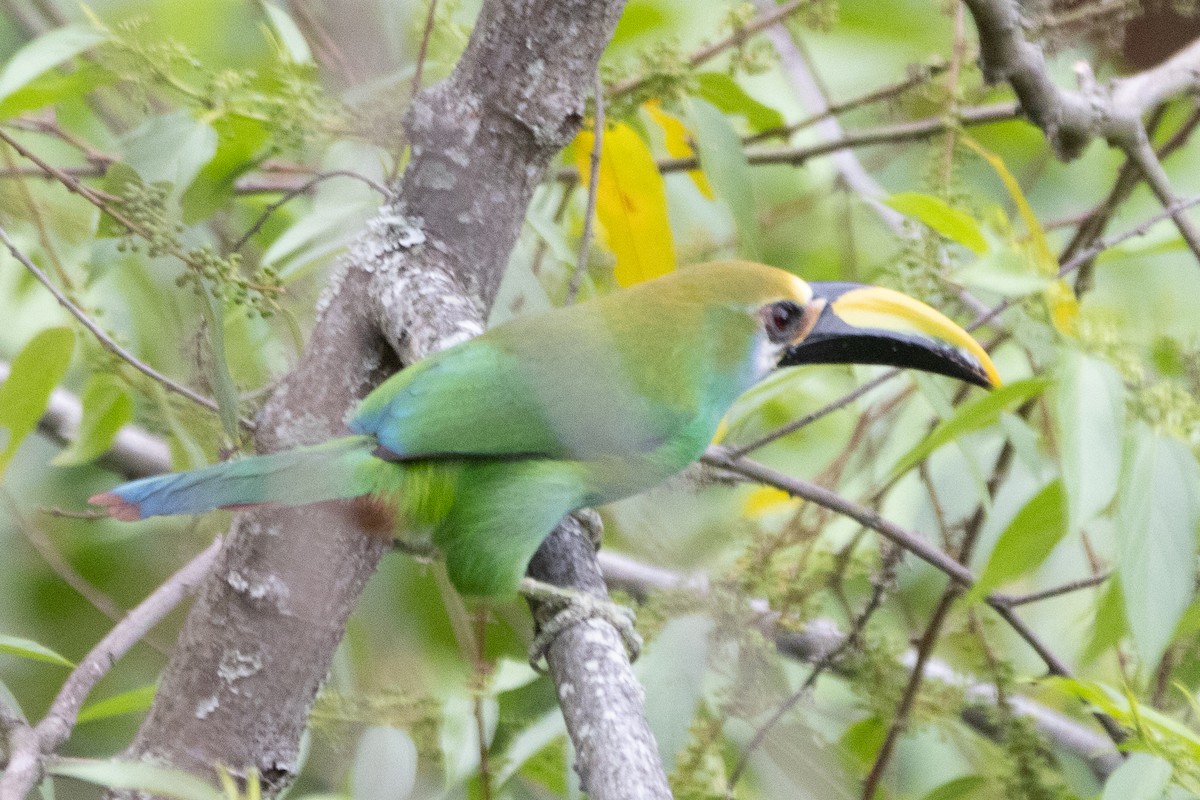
(1070, 119)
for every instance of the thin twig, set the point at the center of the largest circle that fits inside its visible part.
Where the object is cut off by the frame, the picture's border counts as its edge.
(1142, 154)
(593, 189)
(423, 50)
(105, 340)
(103, 201)
(302, 189)
(937, 621)
(887, 575)
(25, 762)
(918, 76)
(718, 456)
(1086, 255)
(1092, 224)
(808, 419)
(884, 134)
(418, 70)
(708, 52)
(34, 172)
(59, 565)
(904, 708)
(1012, 601)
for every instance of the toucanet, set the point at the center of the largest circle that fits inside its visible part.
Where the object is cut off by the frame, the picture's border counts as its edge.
(487, 444)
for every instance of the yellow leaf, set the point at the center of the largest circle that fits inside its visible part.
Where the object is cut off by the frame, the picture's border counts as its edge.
(1060, 300)
(767, 500)
(631, 204)
(1043, 258)
(1064, 307)
(678, 140)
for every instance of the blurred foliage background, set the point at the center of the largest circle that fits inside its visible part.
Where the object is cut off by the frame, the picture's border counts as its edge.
(196, 122)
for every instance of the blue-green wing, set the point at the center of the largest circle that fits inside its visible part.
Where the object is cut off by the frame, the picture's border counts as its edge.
(470, 400)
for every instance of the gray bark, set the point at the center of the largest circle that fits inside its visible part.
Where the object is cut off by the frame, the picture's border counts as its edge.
(258, 642)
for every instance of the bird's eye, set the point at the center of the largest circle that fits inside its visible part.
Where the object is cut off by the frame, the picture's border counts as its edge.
(782, 320)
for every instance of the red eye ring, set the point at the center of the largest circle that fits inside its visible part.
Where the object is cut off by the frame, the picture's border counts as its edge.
(782, 320)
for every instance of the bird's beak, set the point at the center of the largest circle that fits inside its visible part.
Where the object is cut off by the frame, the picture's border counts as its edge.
(853, 324)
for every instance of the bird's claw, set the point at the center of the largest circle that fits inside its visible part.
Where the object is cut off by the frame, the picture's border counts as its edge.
(567, 607)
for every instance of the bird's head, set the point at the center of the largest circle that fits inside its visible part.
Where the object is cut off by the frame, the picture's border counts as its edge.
(845, 323)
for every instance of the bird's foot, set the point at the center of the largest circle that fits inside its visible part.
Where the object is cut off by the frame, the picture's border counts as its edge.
(567, 607)
(591, 523)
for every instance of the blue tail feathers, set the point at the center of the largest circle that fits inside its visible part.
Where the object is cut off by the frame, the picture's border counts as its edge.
(329, 471)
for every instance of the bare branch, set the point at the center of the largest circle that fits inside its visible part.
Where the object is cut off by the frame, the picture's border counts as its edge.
(1055, 591)
(25, 759)
(919, 75)
(884, 134)
(1072, 119)
(304, 187)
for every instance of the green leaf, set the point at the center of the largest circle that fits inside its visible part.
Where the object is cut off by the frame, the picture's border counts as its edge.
(107, 407)
(170, 148)
(1142, 777)
(1109, 626)
(293, 41)
(239, 141)
(1027, 540)
(725, 164)
(35, 372)
(385, 766)
(25, 648)
(226, 392)
(1090, 411)
(1158, 513)
(53, 88)
(960, 788)
(952, 223)
(137, 775)
(528, 742)
(1151, 725)
(45, 53)
(980, 413)
(1004, 271)
(862, 740)
(131, 702)
(727, 95)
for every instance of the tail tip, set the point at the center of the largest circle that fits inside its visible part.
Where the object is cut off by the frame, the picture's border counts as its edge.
(117, 507)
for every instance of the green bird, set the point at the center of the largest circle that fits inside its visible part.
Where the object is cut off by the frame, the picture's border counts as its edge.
(486, 445)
